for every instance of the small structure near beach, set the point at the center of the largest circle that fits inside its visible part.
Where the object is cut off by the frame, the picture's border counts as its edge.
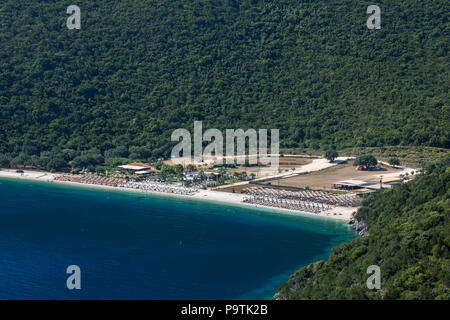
(361, 187)
(138, 168)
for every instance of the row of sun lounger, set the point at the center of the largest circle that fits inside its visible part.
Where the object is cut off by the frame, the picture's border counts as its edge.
(320, 197)
(288, 204)
(91, 178)
(159, 187)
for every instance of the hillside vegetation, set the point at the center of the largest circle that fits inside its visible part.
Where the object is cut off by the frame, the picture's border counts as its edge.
(409, 239)
(138, 69)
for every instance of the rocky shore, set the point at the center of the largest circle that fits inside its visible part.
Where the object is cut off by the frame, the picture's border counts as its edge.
(359, 226)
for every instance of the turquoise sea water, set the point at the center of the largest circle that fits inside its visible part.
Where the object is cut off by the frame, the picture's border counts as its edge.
(139, 246)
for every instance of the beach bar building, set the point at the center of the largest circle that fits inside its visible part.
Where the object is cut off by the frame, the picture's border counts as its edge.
(360, 187)
(350, 184)
(139, 169)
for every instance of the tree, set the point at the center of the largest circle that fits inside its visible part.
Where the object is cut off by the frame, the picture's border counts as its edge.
(394, 161)
(69, 154)
(331, 154)
(118, 152)
(141, 153)
(22, 159)
(179, 171)
(158, 165)
(4, 161)
(222, 175)
(366, 161)
(88, 158)
(240, 175)
(222, 171)
(191, 168)
(163, 175)
(201, 174)
(56, 161)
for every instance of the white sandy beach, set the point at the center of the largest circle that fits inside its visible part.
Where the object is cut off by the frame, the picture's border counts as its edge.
(29, 175)
(340, 213)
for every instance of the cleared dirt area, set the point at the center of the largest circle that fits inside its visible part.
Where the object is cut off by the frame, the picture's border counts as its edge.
(325, 178)
(287, 161)
(286, 164)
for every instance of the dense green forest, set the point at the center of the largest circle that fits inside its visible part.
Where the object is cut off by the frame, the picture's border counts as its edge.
(409, 239)
(138, 69)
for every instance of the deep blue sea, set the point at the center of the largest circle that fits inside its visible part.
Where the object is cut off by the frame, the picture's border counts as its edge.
(139, 246)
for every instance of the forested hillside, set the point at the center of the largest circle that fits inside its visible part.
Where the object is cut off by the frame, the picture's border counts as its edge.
(409, 239)
(138, 69)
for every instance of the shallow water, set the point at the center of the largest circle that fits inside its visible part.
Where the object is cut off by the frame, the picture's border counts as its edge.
(140, 246)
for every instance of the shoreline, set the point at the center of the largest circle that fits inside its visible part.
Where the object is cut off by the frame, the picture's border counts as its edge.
(341, 213)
